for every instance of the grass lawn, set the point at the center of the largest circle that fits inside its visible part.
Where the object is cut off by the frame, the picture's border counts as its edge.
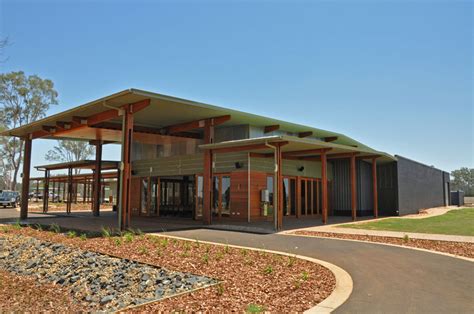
(455, 222)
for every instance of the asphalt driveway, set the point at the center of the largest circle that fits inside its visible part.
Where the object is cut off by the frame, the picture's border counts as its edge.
(386, 279)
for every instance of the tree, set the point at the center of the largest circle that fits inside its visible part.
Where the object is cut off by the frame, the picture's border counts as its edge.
(67, 151)
(3, 44)
(23, 99)
(463, 179)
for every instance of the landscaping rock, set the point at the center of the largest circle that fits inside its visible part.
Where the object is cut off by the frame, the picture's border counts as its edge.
(103, 282)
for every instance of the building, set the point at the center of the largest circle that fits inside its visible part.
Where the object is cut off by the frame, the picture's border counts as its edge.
(196, 161)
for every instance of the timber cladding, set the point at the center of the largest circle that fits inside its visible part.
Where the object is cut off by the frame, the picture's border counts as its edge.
(188, 164)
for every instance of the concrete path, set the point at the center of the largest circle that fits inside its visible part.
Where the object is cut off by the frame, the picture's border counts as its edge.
(386, 279)
(384, 233)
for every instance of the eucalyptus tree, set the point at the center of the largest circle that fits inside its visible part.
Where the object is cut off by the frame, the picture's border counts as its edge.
(67, 151)
(23, 99)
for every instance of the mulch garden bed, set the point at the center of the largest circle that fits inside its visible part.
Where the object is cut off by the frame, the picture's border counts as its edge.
(20, 294)
(456, 248)
(249, 280)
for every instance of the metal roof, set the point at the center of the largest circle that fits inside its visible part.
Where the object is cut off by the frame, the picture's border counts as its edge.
(80, 164)
(168, 110)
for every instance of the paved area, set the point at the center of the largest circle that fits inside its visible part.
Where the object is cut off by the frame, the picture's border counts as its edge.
(386, 279)
(384, 233)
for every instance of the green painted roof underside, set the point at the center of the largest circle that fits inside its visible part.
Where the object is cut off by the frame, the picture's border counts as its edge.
(167, 110)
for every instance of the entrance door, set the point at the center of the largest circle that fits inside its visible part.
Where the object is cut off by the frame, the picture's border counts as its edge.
(221, 195)
(289, 196)
(177, 196)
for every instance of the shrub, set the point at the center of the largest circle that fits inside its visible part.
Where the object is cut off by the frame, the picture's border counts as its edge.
(254, 308)
(55, 228)
(83, 236)
(406, 238)
(17, 225)
(205, 258)
(268, 270)
(143, 250)
(305, 275)
(38, 227)
(71, 234)
(128, 236)
(118, 241)
(291, 261)
(106, 232)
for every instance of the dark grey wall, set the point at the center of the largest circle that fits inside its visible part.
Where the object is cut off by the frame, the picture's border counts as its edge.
(419, 186)
(387, 189)
(341, 192)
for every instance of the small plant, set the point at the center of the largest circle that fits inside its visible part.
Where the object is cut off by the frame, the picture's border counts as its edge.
(143, 250)
(248, 261)
(244, 252)
(297, 284)
(71, 234)
(220, 288)
(174, 241)
(158, 252)
(208, 248)
(164, 242)
(83, 236)
(138, 232)
(197, 244)
(406, 238)
(39, 227)
(219, 256)
(106, 232)
(254, 308)
(305, 275)
(186, 246)
(205, 258)
(291, 261)
(118, 241)
(17, 225)
(55, 228)
(128, 236)
(226, 249)
(268, 270)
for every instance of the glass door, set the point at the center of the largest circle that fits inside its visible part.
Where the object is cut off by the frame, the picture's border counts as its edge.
(221, 195)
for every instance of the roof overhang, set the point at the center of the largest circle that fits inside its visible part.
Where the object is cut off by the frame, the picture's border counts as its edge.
(80, 164)
(296, 147)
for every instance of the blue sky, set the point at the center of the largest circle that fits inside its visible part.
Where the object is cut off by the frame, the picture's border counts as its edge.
(396, 75)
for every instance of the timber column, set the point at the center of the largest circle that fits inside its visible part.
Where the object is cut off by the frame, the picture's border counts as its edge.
(207, 175)
(126, 169)
(25, 182)
(97, 179)
(279, 178)
(324, 187)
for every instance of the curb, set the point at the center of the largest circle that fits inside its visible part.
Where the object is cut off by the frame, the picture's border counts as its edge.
(386, 244)
(339, 295)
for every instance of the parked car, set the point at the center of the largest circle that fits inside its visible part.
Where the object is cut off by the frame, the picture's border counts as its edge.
(9, 198)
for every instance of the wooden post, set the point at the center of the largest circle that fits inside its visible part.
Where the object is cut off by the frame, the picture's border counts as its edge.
(324, 187)
(126, 175)
(54, 189)
(374, 187)
(69, 191)
(118, 189)
(37, 190)
(280, 192)
(207, 175)
(353, 186)
(84, 190)
(25, 182)
(298, 196)
(46, 191)
(97, 178)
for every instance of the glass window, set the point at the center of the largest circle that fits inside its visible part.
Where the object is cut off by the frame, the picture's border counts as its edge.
(225, 197)
(144, 198)
(200, 196)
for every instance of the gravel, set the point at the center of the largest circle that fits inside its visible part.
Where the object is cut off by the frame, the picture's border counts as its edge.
(95, 280)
